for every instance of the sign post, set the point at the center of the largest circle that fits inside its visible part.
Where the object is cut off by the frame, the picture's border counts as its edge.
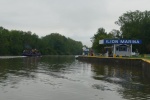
(114, 51)
(131, 49)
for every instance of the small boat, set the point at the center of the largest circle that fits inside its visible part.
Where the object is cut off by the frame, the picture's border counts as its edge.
(30, 53)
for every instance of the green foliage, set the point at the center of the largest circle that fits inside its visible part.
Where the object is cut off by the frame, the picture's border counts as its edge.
(60, 45)
(101, 34)
(133, 25)
(14, 42)
(4, 41)
(136, 25)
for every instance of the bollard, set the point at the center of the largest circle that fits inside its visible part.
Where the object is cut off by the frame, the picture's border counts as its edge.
(114, 55)
(120, 56)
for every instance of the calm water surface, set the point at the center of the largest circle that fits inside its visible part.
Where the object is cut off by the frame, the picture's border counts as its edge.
(64, 78)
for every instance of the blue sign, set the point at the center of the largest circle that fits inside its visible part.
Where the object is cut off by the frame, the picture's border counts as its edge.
(113, 41)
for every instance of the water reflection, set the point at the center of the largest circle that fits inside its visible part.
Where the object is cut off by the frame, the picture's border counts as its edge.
(57, 63)
(133, 79)
(16, 73)
(13, 71)
(28, 67)
(57, 66)
(63, 77)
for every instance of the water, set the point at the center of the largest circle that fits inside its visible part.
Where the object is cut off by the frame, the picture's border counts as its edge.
(64, 78)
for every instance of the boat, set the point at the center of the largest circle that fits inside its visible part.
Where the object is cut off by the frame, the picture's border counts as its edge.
(30, 53)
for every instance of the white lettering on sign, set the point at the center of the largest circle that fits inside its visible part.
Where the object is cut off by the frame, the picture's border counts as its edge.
(135, 41)
(129, 41)
(123, 41)
(109, 41)
(114, 41)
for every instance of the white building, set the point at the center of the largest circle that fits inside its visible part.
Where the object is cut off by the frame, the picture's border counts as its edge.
(120, 47)
(122, 50)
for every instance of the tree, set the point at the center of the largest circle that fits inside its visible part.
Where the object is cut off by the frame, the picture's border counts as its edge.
(4, 41)
(136, 25)
(14, 42)
(115, 34)
(100, 34)
(57, 44)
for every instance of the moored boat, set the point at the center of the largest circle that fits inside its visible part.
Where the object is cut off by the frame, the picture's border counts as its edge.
(32, 52)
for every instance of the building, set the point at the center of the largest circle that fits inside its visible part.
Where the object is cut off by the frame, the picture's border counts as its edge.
(85, 50)
(119, 47)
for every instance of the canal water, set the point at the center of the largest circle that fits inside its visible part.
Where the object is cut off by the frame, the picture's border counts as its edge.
(65, 78)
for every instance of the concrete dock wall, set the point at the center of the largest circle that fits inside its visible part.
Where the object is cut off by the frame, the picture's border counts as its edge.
(115, 61)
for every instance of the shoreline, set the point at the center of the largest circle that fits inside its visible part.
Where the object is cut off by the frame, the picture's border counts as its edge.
(117, 60)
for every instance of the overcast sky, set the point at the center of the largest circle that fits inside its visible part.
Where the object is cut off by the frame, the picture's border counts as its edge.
(77, 19)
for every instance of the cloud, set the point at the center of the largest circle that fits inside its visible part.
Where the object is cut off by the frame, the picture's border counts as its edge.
(77, 19)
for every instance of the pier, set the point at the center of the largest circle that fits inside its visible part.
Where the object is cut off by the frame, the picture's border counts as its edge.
(116, 61)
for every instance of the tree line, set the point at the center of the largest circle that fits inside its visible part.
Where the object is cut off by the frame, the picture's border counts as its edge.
(133, 25)
(13, 42)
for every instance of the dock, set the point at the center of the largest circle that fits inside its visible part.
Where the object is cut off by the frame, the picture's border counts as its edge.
(126, 61)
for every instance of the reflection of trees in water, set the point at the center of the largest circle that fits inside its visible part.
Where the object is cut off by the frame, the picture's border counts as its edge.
(56, 63)
(146, 72)
(54, 59)
(127, 73)
(31, 63)
(133, 79)
(30, 66)
(12, 71)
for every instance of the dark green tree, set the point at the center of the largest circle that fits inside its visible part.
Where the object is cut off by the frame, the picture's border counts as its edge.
(116, 34)
(57, 44)
(4, 41)
(14, 42)
(100, 34)
(136, 25)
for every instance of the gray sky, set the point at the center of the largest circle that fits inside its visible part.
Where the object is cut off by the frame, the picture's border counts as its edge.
(77, 19)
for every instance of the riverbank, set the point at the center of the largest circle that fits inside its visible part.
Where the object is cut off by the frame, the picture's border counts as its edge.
(117, 60)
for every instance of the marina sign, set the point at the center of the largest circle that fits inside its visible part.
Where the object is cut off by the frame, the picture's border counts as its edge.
(114, 41)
